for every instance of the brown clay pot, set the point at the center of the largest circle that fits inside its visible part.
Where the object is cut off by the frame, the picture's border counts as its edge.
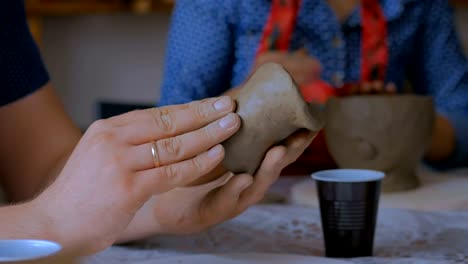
(389, 133)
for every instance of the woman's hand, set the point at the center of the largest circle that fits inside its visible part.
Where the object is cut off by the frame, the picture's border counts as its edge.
(302, 67)
(375, 87)
(111, 173)
(192, 209)
(443, 141)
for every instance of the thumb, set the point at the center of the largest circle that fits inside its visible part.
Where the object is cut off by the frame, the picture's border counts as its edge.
(224, 203)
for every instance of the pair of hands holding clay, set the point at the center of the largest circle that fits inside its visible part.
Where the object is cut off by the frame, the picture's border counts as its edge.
(110, 189)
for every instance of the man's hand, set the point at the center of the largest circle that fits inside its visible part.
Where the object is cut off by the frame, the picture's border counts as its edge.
(111, 173)
(192, 209)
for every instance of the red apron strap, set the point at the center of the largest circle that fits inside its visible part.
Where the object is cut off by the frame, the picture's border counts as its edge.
(276, 36)
(280, 26)
(374, 46)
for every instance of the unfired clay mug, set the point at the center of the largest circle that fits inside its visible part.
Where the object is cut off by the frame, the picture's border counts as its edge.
(271, 109)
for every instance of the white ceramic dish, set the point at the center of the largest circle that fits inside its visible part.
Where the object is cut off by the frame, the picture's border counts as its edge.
(25, 249)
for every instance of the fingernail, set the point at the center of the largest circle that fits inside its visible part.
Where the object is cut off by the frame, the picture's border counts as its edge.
(245, 185)
(215, 151)
(223, 104)
(228, 121)
(228, 174)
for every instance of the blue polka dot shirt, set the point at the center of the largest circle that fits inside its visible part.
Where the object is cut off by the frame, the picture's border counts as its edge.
(212, 46)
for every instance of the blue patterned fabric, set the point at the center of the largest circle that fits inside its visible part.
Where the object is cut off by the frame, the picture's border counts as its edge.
(212, 45)
(21, 68)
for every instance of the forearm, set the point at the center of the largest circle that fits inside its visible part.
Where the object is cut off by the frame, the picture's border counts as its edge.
(37, 138)
(32, 221)
(22, 222)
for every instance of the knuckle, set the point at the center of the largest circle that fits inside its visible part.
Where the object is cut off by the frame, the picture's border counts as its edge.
(208, 133)
(116, 159)
(199, 164)
(201, 110)
(170, 174)
(100, 125)
(171, 145)
(126, 118)
(163, 119)
(106, 136)
(277, 167)
(103, 140)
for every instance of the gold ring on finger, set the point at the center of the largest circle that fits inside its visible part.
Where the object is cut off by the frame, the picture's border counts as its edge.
(154, 153)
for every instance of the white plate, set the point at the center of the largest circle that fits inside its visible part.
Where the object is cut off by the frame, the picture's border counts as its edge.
(253, 258)
(24, 249)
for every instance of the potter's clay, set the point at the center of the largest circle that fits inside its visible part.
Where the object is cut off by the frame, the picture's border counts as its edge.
(271, 108)
(386, 133)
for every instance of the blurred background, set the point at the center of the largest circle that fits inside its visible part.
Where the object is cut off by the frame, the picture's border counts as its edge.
(106, 56)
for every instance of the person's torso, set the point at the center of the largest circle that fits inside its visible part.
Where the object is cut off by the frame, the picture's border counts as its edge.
(337, 46)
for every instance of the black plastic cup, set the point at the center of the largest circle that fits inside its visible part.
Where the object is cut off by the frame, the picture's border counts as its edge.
(349, 201)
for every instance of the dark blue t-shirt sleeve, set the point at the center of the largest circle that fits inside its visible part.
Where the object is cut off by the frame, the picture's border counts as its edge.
(21, 68)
